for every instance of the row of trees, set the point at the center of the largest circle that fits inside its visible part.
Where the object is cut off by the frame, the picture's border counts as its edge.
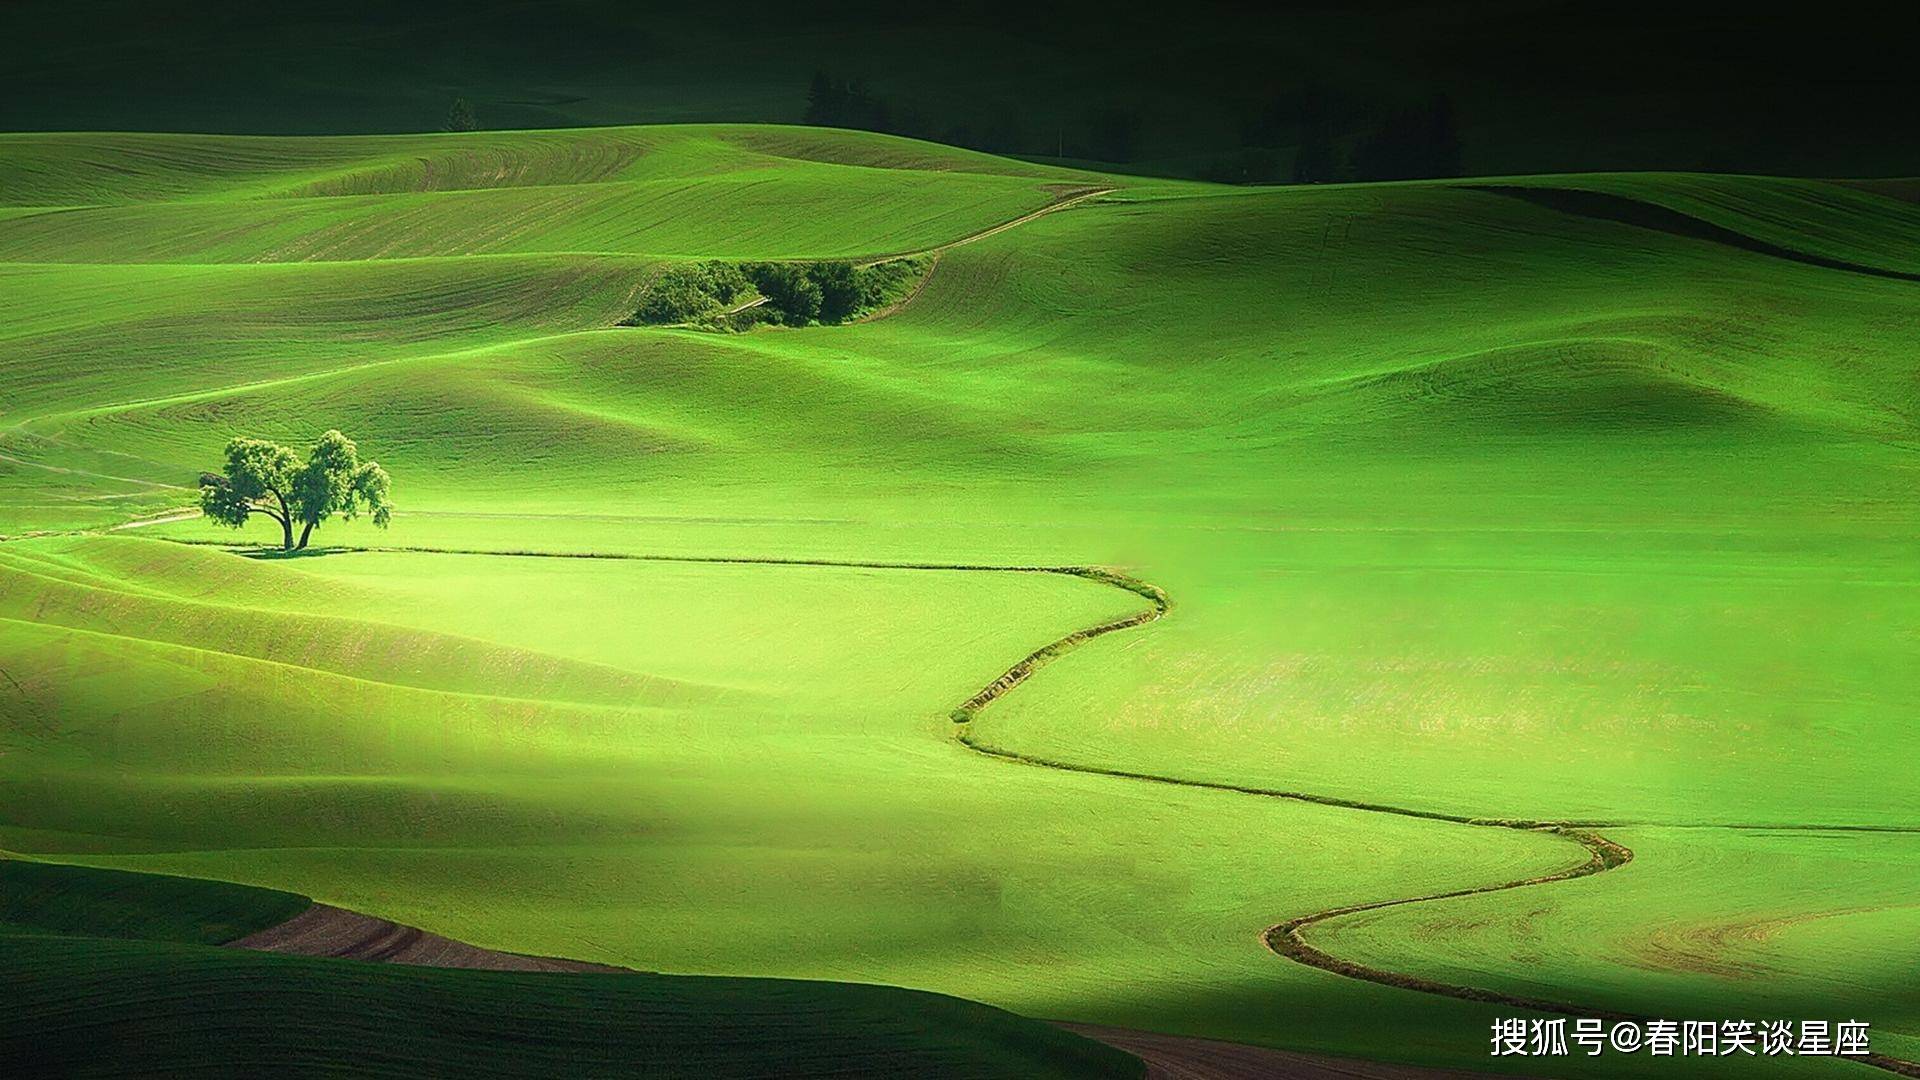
(1335, 140)
(1333, 136)
(1106, 133)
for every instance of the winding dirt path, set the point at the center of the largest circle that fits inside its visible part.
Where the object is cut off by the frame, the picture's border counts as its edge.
(1071, 197)
(329, 931)
(1286, 939)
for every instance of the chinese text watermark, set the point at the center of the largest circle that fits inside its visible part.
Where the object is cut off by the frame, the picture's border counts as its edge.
(1518, 1037)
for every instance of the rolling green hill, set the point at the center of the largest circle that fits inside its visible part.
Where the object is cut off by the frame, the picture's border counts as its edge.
(1470, 504)
(110, 974)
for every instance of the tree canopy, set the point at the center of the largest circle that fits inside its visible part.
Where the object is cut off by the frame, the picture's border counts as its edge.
(262, 477)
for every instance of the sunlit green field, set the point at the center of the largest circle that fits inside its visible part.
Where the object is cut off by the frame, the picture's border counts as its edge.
(1466, 503)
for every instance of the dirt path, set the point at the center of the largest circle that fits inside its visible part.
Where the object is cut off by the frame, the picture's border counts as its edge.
(1066, 200)
(163, 518)
(328, 931)
(335, 932)
(1286, 939)
(325, 930)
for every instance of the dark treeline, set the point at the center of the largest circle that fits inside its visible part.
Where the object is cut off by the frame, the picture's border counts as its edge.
(1108, 133)
(1309, 90)
(1304, 135)
(999, 127)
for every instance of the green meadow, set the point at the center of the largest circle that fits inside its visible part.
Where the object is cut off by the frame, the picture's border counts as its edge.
(1572, 499)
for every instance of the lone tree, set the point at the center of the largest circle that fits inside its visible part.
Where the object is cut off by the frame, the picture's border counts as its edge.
(262, 477)
(460, 116)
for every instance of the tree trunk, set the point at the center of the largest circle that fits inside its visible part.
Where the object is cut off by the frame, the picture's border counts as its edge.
(305, 531)
(285, 518)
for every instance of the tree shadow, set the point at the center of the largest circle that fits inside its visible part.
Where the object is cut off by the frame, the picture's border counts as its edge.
(273, 554)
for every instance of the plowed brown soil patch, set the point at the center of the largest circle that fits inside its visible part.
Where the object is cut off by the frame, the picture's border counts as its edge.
(325, 930)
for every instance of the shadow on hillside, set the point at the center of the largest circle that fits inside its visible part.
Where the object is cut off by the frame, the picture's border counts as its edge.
(1603, 206)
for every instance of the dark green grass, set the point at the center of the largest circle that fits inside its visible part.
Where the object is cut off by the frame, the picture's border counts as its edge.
(49, 898)
(109, 973)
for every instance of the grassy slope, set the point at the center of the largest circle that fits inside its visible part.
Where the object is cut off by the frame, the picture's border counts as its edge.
(737, 192)
(1440, 482)
(109, 975)
(77, 901)
(779, 763)
(1700, 919)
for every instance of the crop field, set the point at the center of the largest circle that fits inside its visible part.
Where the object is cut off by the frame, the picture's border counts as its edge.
(1554, 532)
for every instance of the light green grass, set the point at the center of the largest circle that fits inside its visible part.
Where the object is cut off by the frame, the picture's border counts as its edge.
(733, 192)
(784, 763)
(1700, 919)
(1464, 504)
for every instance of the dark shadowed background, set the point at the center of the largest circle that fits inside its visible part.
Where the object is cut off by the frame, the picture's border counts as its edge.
(1293, 91)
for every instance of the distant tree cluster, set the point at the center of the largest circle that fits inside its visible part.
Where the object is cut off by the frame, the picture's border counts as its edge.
(846, 103)
(1107, 133)
(1410, 144)
(265, 478)
(831, 292)
(1113, 133)
(790, 293)
(686, 292)
(1332, 135)
(460, 116)
(1338, 137)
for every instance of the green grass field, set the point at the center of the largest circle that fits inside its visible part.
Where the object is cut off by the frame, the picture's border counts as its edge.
(109, 974)
(1467, 504)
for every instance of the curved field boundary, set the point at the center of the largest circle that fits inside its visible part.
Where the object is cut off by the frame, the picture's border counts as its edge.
(933, 263)
(1063, 201)
(1285, 939)
(1066, 201)
(1625, 210)
(337, 933)
(1032, 662)
(932, 254)
(325, 930)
